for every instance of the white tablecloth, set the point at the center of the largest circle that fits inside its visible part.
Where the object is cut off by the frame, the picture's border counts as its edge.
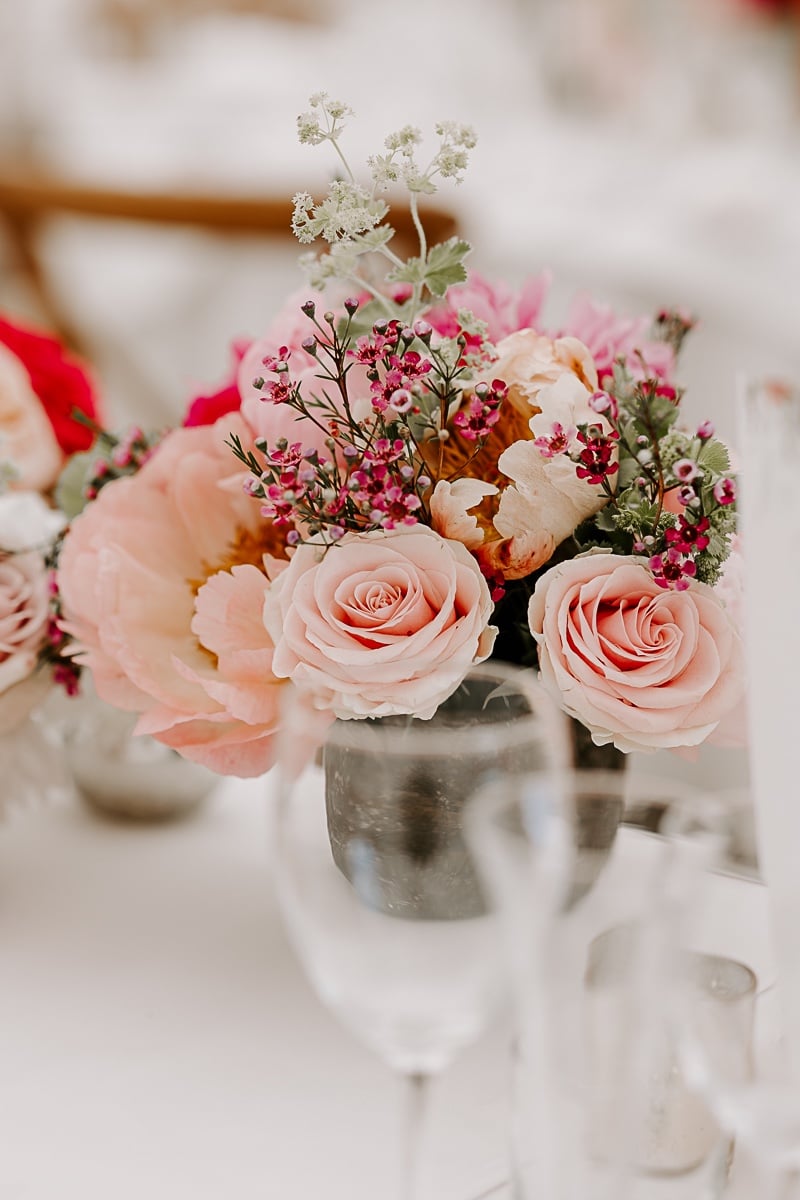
(158, 1039)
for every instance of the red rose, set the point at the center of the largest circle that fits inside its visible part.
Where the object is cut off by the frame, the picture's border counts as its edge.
(60, 382)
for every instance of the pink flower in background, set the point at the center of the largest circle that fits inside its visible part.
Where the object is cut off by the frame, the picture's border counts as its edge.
(289, 330)
(381, 623)
(606, 335)
(609, 336)
(642, 667)
(503, 310)
(163, 580)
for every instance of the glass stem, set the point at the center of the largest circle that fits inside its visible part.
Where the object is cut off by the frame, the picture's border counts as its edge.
(416, 1085)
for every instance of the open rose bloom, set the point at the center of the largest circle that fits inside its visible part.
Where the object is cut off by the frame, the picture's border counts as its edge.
(407, 479)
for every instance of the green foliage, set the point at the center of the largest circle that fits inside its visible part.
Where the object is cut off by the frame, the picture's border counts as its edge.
(443, 267)
(714, 457)
(69, 494)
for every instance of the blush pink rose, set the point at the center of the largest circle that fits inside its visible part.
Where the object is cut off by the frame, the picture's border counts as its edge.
(381, 623)
(163, 581)
(640, 666)
(24, 614)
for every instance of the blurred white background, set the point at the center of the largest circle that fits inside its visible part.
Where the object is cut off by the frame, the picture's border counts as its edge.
(644, 150)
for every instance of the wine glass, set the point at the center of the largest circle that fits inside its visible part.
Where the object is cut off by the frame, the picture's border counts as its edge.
(379, 888)
(598, 934)
(769, 434)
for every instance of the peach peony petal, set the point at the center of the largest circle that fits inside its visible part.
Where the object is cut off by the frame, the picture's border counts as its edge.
(163, 585)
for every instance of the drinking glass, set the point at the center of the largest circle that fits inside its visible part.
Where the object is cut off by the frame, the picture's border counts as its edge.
(379, 887)
(596, 936)
(769, 505)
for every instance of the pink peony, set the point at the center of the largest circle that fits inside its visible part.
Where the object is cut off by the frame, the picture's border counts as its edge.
(606, 335)
(381, 623)
(502, 310)
(640, 666)
(273, 421)
(609, 337)
(163, 581)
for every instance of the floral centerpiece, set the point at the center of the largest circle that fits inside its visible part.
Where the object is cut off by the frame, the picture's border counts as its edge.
(408, 474)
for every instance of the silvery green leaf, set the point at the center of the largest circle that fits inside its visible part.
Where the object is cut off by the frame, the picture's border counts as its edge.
(373, 239)
(714, 457)
(605, 521)
(629, 470)
(445, 265)
(69, 489)
(412, 271)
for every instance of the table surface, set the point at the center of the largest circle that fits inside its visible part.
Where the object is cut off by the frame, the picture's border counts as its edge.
(158, 1037)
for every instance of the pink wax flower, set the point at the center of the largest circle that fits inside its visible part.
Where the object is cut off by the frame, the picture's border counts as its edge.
(261, 407)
